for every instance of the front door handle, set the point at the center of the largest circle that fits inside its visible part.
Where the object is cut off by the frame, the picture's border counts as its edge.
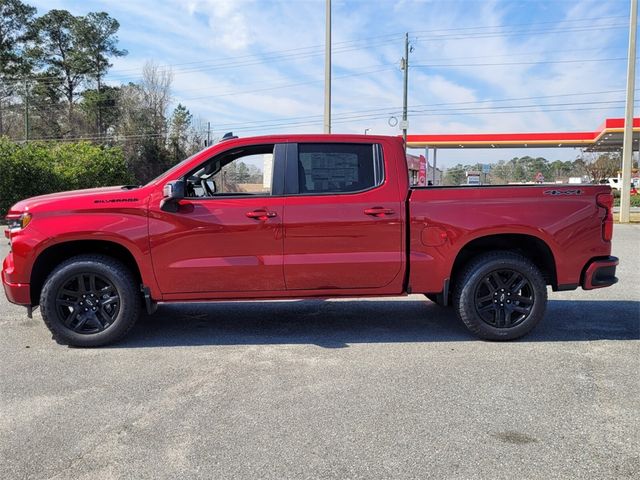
(261, 214)
(377, 211)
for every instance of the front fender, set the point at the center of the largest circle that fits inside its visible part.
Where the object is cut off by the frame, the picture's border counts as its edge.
(128, 229)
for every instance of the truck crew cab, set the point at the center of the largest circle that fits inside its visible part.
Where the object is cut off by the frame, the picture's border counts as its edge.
(299, 216)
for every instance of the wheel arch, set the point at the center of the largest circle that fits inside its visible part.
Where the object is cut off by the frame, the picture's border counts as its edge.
(529, 246)
(55, 254)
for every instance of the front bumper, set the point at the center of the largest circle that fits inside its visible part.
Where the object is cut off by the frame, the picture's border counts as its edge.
(18, 293)
(600, 273)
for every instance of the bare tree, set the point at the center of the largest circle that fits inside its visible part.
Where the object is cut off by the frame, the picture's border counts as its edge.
(600, 166)
(197, 135)
(143, 127)
(156, 91)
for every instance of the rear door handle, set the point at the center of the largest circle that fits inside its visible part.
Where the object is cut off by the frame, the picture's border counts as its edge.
(261, 214)
(377, 211)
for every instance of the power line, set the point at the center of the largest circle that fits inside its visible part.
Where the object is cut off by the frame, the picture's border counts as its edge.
(116, 138)
(394, 110)
(287, 85)
(219, 66)
(350, 118)
(290, 85)
(526, 111)
(280, 86)
(263, 59)
(316, 123)
(273, 52)
(518, 54)
(280, 55)
(384, 112)
(366, 39)
(520, 33)
(538, 97)
(543, 62)
(521, 54)
(524, 106)
(528, 24)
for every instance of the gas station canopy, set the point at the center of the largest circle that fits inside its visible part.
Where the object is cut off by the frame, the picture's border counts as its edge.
(607, 138)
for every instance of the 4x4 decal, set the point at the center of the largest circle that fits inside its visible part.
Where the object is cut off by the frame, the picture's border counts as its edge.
(575, 191)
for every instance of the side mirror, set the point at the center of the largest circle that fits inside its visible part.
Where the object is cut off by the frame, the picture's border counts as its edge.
(173, 192)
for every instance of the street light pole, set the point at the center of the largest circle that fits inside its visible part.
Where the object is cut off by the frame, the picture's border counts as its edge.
(327, 70)
(435, 165)
(627, 146)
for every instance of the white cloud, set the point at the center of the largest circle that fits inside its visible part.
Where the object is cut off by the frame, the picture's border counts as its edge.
(227, 20)
(208, 40)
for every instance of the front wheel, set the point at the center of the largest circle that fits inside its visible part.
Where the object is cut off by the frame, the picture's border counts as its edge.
(500, 296)
(90, 300)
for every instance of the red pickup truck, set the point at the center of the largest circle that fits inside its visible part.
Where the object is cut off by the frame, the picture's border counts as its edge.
(301, 216)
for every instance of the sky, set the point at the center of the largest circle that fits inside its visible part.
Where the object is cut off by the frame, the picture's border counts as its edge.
(256, 67)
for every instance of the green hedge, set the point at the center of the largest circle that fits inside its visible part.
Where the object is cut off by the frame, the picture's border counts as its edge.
(635, 201)
(33, 169)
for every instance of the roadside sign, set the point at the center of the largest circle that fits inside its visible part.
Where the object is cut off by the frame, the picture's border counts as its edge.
(486, 168)
(422, 172)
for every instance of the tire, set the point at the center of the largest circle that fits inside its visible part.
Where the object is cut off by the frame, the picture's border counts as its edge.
(101, 286)
(500, 296)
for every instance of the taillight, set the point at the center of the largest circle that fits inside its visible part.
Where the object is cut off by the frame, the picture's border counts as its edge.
(605, 200)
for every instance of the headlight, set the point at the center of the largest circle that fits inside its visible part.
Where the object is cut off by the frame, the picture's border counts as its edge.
(19, 222)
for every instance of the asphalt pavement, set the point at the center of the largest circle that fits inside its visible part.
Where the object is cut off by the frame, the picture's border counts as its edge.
(371, 389)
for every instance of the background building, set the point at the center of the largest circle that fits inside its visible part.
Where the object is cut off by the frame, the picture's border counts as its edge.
(415, 164)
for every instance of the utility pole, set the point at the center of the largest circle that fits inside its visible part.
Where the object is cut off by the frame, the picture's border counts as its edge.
(627, 146)
(208, 134)
(327, 70)
(26, 110)
(100, 103)
(405, 66)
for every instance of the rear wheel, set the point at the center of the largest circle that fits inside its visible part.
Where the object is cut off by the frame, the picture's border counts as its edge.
(500, 296)
(90, 300)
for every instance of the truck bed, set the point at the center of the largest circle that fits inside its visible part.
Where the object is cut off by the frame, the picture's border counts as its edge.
(444, 219)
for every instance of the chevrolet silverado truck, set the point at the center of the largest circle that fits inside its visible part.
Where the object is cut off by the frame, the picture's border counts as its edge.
(300, 216)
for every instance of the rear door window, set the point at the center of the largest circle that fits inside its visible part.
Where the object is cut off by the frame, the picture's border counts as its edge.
(338, 167)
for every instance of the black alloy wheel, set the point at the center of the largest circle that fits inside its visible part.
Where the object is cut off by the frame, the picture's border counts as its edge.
(504, 298)
(90, 300)
(500, 295)
(87, 303)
